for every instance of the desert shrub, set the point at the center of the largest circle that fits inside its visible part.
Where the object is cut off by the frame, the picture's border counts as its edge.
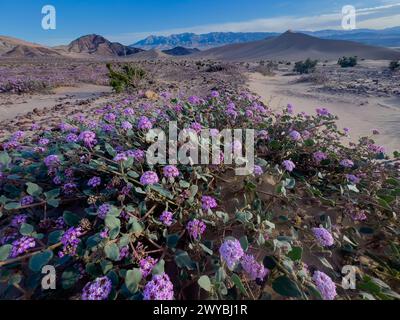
(394, 65)
(81, 197)
(306, 66)
(126, 77)
(266, 69)
(347, 62)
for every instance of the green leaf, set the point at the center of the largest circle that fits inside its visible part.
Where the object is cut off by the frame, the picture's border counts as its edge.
(12, 206)
(132, 279)
(34, 189)
(158, 268)
(69, 279)
(26, 229)
(71, 219)
(112, 222)
(53, 203)
(244, 243)
(295, 254)
(5, 159)
(182, 259)
(162, 191)
(205, 283)
(286, 287)
(112, 251)
(54, 237)
(5, 251)
(37, 261)
(238, 283)
(52, 194)
(172, 240)
(206, 249)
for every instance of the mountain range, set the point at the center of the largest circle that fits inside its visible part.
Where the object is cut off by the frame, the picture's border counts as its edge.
(288, 46)
(389, 37)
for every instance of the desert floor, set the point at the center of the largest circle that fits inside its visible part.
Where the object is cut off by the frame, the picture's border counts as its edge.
(359, 113)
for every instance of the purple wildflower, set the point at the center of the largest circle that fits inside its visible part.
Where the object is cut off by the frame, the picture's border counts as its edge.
(88, 138)
(325, 285)
(196, 228)
(319, 156)
(288, 165)
(18, 220)
(352, 178)
(144, 123)
(103, 210)
(99, 289)
(231, 252)
(70, 241)
(126, 125)
(347, 163)
(120, 157)
(27, 200)
(52, 161)
(146, 265)
(71, 138)
(149, 178)
(94, 182)
(323, 236)
(159, 288)
(208, 202)
(258, 171)
(295, 135)
(21, 246)
(254, 269)
(167, 218)
(170, 171)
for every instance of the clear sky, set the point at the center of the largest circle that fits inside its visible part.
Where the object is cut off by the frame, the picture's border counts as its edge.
(127, 21)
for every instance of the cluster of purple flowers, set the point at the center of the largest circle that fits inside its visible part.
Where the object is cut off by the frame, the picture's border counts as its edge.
(99, 289)
(295, 135)
(319, 156)
(88, 138)
(289, 165)
(18, 220)
(71, 138)
(325, 285)
(120, 157)
(208, 202)
(159, 288)
(70, 241)
(103, 210)
(137, 154)
(52, 161)
(347, 163)
(254, 269)
(94, 182)
(196, 228)
(126, 125)
(21, 246)
(170, 171)
(167, 218)
(144, 123)
(323, 236)
(27, 200)
(149, 178)
(146, 265)
(352, 178)
(231, 252)
(258, 171)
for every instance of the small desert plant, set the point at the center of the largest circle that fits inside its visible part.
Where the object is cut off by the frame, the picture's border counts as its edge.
(128, 77)
(394, 65)
(347, 62)
(304, 67)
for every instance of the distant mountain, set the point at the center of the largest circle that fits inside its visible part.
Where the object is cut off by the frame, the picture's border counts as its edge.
(389, 37)
(202, 41)
(15, 48)
(180, 51)
(297, 46)
(94, 44)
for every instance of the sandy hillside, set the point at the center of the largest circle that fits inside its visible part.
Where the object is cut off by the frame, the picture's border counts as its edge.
(360, 114)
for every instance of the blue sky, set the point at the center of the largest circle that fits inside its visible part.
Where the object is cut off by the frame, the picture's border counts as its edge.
(128, 21)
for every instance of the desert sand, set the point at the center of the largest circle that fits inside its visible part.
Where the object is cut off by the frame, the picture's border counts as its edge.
(359, 113)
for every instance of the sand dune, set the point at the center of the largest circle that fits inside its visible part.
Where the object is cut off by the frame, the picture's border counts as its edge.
(297, 46)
